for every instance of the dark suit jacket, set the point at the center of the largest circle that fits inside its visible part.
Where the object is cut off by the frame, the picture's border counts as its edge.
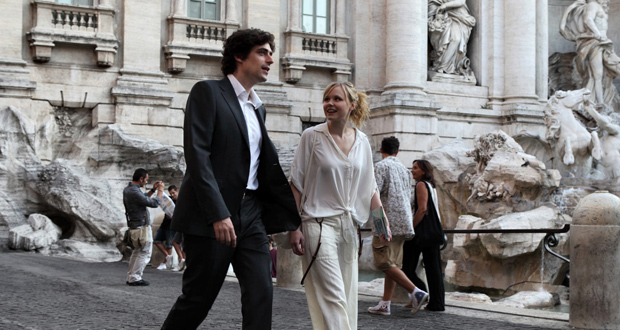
(217, 154)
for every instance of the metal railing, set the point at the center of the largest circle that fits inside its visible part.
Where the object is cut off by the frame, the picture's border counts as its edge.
(550, 240)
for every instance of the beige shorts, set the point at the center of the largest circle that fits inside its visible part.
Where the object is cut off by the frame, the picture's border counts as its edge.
(389, 254)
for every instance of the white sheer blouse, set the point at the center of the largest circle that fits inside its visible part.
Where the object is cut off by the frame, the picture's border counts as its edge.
(337, 184)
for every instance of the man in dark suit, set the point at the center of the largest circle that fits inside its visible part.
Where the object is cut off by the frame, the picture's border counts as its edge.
(234, 192)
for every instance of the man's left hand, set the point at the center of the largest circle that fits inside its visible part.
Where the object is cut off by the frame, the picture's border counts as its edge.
(225, 232)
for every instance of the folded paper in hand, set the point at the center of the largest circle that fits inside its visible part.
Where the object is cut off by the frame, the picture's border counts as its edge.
(378, 218)
(166, 204)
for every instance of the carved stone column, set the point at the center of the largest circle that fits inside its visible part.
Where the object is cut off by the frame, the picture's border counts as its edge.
(520, 52)
(403, 108)
(542, 50)
(406, 35)
(518, 69)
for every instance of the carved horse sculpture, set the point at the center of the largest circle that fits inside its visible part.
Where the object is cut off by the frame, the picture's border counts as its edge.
(570, 135)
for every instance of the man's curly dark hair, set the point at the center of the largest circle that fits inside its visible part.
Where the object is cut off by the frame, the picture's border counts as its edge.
(390, 145)
(240, 44)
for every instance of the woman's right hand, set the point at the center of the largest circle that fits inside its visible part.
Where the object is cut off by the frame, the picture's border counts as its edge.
(297, 242)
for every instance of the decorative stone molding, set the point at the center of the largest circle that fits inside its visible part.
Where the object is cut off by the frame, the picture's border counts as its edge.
(191, 36)
(315, 50)
(15, 79)
(54, 22)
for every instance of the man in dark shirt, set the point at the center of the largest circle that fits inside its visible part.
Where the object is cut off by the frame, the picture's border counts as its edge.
(139, 223)
(164, 236)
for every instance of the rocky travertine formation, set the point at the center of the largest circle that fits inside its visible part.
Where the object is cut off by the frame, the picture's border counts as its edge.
(83, 202)
(10, 217)
(39, 232)
(77, 184)
(530, 299)
(17, 159)
(496, 185)
(493, 179)
(511, 258)
(121, 152)
(480, 298)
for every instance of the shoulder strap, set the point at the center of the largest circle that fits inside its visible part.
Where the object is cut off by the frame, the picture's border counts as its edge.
(302, 201)
(432, 193)
(125, 204)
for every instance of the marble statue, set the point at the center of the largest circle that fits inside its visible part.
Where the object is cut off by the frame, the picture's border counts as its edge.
(610, 141)
(449, 28)
(597, 63)
(568, 134)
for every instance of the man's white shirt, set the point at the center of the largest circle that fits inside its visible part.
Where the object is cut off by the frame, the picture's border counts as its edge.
(248, 104)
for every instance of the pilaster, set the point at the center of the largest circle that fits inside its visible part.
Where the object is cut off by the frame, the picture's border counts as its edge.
(410, 117)
(14, 75)
(141, 94)
(256, 13)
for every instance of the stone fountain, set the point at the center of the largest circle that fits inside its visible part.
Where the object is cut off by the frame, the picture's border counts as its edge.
(61, 182)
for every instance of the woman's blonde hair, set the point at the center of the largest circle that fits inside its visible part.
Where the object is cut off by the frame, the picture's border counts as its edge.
(361, 112)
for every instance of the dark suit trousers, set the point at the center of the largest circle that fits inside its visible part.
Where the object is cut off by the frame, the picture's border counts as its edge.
(434, 275)
(207, 263)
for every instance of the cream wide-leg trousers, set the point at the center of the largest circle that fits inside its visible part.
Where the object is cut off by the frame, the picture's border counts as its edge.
(331, 284)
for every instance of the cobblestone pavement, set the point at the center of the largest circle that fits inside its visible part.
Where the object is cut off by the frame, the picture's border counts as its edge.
(39, 292)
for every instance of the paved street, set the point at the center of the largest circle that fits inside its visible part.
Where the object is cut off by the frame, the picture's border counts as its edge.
(39, 292)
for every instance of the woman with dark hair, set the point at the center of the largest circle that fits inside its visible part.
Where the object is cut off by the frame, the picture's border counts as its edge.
(425, 206)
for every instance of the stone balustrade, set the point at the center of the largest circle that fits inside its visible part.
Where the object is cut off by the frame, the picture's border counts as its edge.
(304, 50)
(190, 36)
(74, 20)
(319, 46)
(54, 22)
(202, 33)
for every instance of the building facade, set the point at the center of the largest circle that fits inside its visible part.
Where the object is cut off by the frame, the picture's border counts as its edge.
(132, 63)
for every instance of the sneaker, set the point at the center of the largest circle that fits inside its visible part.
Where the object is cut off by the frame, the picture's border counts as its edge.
(138, 283)
(162, 266)
(169, 260)
(181, 264)
(382, 309)
(417, 300)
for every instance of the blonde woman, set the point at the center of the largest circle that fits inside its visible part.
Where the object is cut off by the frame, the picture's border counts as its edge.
(333, 181)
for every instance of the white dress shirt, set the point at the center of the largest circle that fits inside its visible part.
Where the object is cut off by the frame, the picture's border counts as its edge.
(248, 104)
